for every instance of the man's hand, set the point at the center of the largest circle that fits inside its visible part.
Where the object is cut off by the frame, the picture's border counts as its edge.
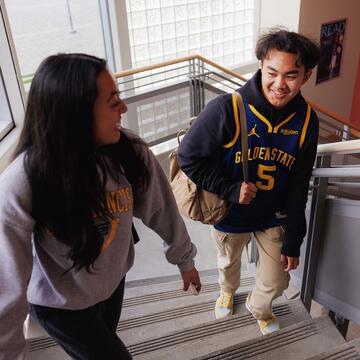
(191, 276)
(289, 262)
(247, 192)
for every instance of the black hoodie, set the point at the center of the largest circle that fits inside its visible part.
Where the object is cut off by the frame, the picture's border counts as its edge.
(201, 152)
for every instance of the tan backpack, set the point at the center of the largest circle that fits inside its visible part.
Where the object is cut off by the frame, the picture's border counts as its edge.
(194, 202)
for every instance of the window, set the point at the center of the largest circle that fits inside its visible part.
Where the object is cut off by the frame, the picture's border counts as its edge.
(158, 30)
(41, 28)
(221, 30)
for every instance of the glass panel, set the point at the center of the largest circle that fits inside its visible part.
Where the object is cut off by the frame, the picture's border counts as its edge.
(218, 36)
(50, 27)
(193, 11)
(182, 43)
(139, 19)
(185, 27)
(167, 15)
(140, 36)
(155, 33)
(239, 5)
(137, 5)
(205, 8)
(206, 38)
(156, 50)
(218, 49)
(194, 41)
(194, 26)
(228, 19)
(168, 31)
(181, 28)
(206, 23)
(217, 6)
(181, 12)
(152, 4)
(153, 17)
(163, 115)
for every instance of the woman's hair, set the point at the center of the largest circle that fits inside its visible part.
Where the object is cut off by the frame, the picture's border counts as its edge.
(66, 171)
(306, 50)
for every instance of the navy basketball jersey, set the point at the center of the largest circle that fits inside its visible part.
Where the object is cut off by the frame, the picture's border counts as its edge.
(272, 154)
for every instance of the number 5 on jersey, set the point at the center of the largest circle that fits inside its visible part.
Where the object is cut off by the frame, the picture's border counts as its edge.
(268, 181)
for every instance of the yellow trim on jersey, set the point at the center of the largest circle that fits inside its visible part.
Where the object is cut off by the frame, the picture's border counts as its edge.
(237, 123)
(276, 128)
(304, 129)
(262, 118)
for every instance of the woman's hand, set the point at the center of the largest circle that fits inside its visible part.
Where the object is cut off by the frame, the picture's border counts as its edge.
(191, 276)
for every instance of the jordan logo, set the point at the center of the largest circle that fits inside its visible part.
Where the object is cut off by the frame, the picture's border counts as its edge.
(253, 131)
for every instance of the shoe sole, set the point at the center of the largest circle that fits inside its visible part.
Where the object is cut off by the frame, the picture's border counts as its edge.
(267, 332)
(247, 306)
(223, 317)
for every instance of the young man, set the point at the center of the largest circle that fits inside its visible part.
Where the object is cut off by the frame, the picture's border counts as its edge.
(282, 138)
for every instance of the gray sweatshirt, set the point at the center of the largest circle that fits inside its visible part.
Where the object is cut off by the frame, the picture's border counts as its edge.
(32, 268)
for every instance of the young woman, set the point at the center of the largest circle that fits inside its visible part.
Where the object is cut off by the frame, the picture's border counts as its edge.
(66, 207)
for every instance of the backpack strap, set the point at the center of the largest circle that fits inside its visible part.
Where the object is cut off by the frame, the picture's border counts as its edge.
(241, 114)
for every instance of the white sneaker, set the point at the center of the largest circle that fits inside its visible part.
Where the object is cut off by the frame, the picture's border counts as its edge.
(247, 302)
(224, 305)
(268, 326)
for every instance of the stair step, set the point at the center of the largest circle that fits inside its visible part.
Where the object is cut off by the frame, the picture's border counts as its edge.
(166, 279)
(242, 325)
(142, 301)
(45, 348)
(147, 287)
(210, 336)
(141, 328)
(298, 341)
(175, 313)
(136, 305)
(347, 351)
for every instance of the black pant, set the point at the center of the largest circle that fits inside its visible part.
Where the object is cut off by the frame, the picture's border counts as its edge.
(88, 334)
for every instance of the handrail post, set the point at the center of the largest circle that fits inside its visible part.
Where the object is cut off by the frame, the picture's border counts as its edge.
(192, 92)
(314, 237)
(197, 87)
(202, 84)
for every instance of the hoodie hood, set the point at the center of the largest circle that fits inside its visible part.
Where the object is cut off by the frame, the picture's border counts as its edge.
(253, 95)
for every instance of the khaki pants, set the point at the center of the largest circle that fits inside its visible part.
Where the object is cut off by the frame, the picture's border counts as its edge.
(271, 279)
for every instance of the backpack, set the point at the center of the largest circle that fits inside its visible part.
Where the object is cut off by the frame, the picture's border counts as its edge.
(194, 202)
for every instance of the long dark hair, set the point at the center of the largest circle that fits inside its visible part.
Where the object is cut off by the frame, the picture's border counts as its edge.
(66, 171)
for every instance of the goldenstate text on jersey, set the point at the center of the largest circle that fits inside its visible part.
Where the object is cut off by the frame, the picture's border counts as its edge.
(267, 153)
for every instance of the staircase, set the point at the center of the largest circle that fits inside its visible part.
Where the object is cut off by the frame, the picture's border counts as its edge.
(160, 321)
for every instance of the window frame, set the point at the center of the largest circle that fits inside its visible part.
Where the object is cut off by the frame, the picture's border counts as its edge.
(13, 86)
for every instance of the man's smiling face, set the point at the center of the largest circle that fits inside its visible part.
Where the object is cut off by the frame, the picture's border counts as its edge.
(281, 77)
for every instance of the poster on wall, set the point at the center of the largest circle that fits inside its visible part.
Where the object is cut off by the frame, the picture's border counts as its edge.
(331, 49)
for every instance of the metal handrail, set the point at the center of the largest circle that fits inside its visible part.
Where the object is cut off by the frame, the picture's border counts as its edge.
(317, 107)
(337, 172)
(333, 115)
(129, 72)
(342, 147)
(320, 190)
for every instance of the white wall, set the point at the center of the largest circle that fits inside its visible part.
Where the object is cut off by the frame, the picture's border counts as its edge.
(279, 13)
(336, 94)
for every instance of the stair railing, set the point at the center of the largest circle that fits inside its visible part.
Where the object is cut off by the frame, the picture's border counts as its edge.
(198, 78)
(323, 171)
